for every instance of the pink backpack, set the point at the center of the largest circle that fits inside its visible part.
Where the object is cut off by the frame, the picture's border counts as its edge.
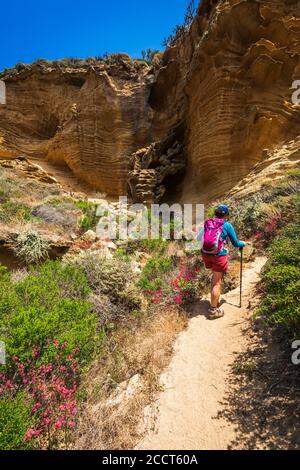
(212, 242)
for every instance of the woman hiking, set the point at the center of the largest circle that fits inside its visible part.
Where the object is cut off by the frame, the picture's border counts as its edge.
(214, 238)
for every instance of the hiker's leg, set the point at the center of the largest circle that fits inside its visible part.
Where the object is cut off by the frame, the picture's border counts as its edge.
(216, 288)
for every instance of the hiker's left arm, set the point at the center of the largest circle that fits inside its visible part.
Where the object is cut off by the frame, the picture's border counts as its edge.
(233, 238)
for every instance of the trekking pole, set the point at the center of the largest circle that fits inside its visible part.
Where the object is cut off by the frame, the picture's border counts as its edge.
(241, 277)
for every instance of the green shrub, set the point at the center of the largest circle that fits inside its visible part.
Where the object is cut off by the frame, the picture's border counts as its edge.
(4, 274)
(155, 247)
(281, 304)
(157, 266)
(149, 54)
(151, 285)
(9, 300)
(3, 195)
(245, 215)
(50, 306)
(50, 303)
(285, 188)
(64, 205)
(52, 282)
(14, 211)
(15, 420)
(69, 320)
(106, 276)
(294, 173)
(210, 214)
(285, 251)
(89, 220)
(31, 247)
(155, 272)
(122, 255)
(57, 201)
(281, 281)
(7, 187)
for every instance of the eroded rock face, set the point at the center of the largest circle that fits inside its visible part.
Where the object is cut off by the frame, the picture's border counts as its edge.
(226, 84)
(91, 118)
(29, 169)
(229, 81)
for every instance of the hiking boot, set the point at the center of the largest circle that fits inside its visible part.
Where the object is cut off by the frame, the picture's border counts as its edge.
(215, 312)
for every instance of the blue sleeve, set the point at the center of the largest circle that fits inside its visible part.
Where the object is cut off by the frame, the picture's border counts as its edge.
(232, 236)
(200, 235)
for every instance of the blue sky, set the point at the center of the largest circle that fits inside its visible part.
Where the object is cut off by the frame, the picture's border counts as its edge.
(56, 29)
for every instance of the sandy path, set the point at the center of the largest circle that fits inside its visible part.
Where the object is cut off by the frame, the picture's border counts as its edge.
(194, 385)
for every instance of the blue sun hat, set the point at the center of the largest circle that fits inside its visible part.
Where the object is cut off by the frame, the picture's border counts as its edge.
(223, 209)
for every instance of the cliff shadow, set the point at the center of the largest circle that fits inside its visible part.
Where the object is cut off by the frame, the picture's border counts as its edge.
(263, 398)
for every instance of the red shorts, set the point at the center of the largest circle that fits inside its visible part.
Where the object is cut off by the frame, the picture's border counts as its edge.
(218, 264)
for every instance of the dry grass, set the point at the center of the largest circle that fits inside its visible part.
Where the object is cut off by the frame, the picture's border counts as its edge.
(17, 188)
(113, 412)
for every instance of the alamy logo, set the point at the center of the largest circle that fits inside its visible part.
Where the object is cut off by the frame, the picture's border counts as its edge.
(296, 354)
(2, 92)
(139, 222)
(296, 94)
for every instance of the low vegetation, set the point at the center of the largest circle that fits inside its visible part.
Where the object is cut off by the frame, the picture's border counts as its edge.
(281, 278)
(180, 30)
(271, 220)
(12, 211)
(15, 420)
(89, 220)
(50, 333)
(121, 60)
(149, 54)
(30, 247)
(53, 322)
(77, 328)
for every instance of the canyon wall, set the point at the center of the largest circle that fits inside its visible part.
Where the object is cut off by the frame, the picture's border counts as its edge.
(89, 118)
(229, 80)
(215, 107)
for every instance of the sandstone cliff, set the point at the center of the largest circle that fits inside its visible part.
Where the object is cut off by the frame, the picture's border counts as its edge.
(90, 118)
(215, 108)
(229, 80)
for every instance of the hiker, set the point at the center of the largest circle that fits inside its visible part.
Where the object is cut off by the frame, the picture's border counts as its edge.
(214, 237)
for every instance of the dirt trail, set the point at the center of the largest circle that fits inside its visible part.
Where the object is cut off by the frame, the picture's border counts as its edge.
(185, 415)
